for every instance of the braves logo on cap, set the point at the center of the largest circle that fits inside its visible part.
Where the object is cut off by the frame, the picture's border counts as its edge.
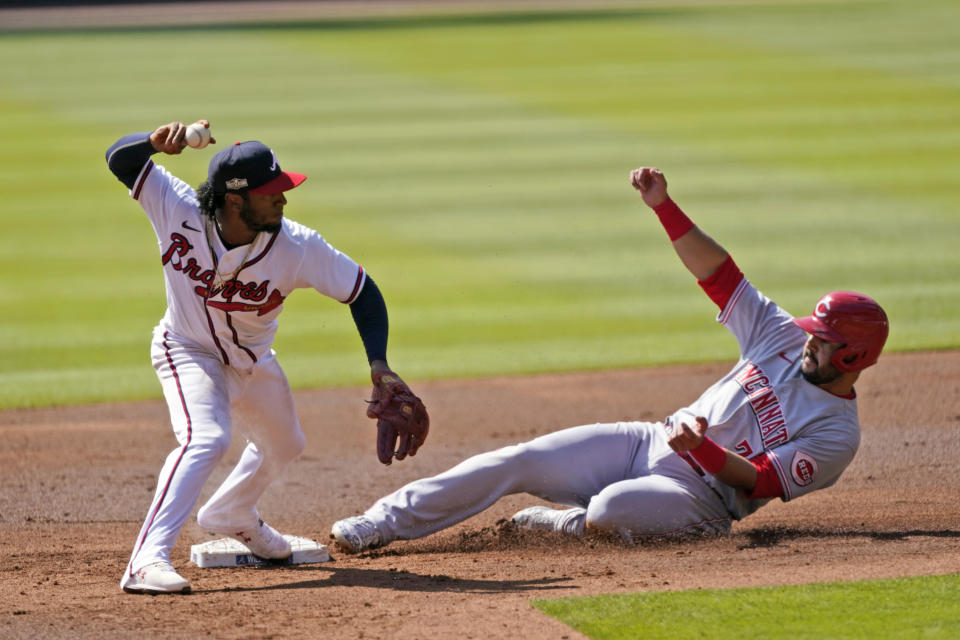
(803, 469)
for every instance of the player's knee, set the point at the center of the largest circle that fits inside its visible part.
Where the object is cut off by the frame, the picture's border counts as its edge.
(212, 443)
(279, 453)
(610, 511)
(295, 446)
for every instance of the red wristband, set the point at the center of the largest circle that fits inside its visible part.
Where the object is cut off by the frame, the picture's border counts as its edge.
(710, 455)
(673, 219)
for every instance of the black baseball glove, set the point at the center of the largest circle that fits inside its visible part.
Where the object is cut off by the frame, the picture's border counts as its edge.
(401, 416)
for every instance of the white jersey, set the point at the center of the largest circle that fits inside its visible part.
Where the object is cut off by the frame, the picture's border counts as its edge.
(226, 301)
(765, 405)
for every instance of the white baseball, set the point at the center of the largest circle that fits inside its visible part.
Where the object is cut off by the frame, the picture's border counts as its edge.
(197, 136)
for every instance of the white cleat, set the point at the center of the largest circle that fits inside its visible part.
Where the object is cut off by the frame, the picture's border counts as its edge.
(157, 577)
(356, 534)
(538, 518)
(263, 540)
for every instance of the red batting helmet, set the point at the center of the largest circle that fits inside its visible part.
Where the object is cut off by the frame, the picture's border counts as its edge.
(853, 319)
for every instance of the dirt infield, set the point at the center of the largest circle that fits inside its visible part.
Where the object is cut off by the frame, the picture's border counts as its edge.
(75, 484)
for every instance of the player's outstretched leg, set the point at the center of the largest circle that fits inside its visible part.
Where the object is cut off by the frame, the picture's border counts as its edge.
(564, 467)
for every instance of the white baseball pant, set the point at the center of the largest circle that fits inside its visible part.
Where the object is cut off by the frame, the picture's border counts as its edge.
(204, 397)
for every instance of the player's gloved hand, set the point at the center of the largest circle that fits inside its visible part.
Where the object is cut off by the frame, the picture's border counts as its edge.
(401, 416)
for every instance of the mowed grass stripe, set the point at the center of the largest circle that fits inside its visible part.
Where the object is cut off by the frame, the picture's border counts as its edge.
(924, 607)
(478, 170)
(685, 79)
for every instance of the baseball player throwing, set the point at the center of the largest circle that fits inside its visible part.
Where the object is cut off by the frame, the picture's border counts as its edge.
(230, 258)
(782, 423)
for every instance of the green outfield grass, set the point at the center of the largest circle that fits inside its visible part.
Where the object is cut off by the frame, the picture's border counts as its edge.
(477, 167)
(870, 610)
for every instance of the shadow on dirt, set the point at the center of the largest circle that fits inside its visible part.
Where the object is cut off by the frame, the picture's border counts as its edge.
(504, 536)
(399, 580)
(772, 536)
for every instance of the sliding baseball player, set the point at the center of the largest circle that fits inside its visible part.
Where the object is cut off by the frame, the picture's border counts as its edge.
(782, 423)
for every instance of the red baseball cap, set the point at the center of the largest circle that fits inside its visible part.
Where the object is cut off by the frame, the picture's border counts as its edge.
(852, 319)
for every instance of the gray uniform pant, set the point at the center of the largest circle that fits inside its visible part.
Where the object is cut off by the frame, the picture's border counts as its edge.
(623, 475)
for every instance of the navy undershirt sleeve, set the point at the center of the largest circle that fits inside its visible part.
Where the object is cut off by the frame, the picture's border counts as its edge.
(370, 315)
(128, 155)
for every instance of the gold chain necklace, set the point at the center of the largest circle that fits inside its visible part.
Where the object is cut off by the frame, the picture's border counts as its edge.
(218, 280)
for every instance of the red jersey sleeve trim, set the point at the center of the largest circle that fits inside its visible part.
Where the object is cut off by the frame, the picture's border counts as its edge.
(768, 480)
(721, 285)
(357, 286)
(138, 185)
